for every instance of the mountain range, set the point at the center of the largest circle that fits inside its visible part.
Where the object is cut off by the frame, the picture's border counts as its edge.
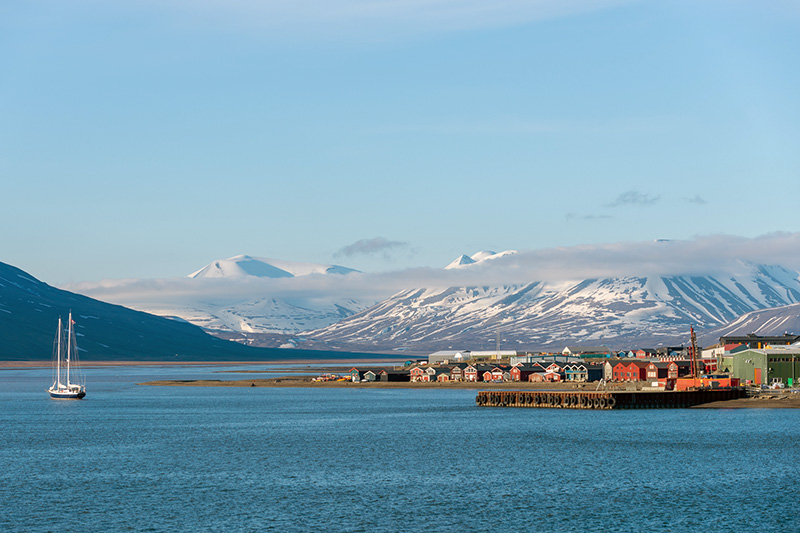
(261, 267)
(243, 298)
(617, 312)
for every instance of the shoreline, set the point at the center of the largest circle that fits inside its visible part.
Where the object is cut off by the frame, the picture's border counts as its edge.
(769, 401)
(314, 363)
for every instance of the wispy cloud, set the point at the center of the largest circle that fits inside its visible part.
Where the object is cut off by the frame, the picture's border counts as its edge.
(696, 199)
(633, 198)
(370, 247)
(576, 216)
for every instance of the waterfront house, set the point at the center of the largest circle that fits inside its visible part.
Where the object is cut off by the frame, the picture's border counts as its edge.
(470, 373)
(521, 371)
(595, 371)
(620, 372)
(394, 375)
(638, 370)
(661, 370)
(575, 372)
(457, 372)
(497, 373)
(482, 370)
(442, 375)
(608, 371)
(416, 373)
(551, 375)
(652, 372)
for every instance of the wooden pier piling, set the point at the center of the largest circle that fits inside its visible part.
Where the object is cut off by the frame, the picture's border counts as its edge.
(604, 400)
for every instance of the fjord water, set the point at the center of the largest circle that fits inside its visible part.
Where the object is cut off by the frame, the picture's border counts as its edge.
(136, 458)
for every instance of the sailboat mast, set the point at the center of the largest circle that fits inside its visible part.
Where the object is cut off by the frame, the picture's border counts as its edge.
(69, 343)
(58, 353)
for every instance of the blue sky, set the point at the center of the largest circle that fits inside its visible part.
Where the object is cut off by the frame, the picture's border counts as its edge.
(146, 139)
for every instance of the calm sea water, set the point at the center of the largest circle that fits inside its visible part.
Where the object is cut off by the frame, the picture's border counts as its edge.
(134, 458)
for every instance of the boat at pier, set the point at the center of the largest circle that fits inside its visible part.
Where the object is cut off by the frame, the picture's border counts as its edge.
(65, 357)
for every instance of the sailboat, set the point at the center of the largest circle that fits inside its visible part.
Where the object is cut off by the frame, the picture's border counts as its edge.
(63, 359)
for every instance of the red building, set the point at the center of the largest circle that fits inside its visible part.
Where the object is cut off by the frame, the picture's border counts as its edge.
(521, 372)
(638, 370)
(417, 374)
(620, 372)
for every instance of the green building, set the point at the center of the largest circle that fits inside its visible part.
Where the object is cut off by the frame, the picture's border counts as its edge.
(779, 363)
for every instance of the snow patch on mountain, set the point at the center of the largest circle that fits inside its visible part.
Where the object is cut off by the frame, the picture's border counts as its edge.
(542, 314)
(262, 267)
(478, 257)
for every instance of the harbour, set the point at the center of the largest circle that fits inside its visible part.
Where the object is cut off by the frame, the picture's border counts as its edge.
(313, 456)
(605, 400)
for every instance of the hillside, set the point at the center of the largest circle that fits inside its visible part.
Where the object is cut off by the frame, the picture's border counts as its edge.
(29, 311)
(616, 312)
(772, 321)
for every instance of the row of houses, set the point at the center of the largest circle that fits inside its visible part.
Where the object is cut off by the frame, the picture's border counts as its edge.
(505, 373)
(568, 354)
(623, 370)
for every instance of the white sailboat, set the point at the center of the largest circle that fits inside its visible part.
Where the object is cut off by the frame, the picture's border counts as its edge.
(65, 358)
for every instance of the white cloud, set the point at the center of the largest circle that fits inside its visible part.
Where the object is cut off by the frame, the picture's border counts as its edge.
(702, 255)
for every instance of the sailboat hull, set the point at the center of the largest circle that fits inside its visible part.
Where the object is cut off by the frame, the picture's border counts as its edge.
(67, 395)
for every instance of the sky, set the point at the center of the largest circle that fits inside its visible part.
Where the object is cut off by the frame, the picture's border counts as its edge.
(146, 139)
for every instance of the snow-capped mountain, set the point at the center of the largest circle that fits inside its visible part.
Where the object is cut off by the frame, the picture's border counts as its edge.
(480, 257)
(249, 294)
(617, 312)
(261, 267)
(772, 321)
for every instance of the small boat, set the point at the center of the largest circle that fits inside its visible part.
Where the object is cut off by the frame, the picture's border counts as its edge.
(65, 356)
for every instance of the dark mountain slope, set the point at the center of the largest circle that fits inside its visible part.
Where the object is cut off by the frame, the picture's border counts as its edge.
(29, 311)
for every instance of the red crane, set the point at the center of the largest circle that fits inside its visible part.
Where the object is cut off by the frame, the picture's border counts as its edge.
(694, 353)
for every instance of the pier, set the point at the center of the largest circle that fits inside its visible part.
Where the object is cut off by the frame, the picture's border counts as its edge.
(604, 400)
